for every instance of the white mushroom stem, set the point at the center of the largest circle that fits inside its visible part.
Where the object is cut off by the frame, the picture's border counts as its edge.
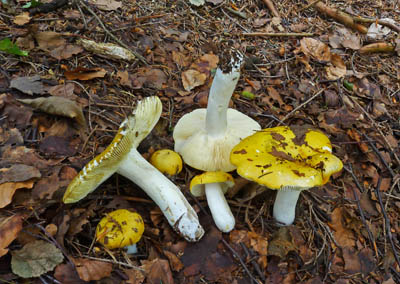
(132, 249)
(285, 205)
(219, 207)
(164, 193)
(221, 92)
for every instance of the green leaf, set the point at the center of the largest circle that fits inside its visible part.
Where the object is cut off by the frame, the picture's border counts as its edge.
(32, 4)
(35, 259)
(349, 86)
(9, 47)
(247, 95)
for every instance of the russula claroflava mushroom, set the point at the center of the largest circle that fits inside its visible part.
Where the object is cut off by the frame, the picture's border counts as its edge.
(120, 229)
(218, 184)
(122, 157)
(287, 159)
(167, 161)
(205, 137)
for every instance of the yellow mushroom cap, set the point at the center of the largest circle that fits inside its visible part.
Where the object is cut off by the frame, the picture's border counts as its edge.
(298, 157)
(167, 161)
(119, 229)
(197, 187)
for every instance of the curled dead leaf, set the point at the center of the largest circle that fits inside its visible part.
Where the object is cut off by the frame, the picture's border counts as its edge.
(315, 49)
(58, 106)
(90, 270)
(85, 74)
(192, 78)
(9, 229)
(8, 189)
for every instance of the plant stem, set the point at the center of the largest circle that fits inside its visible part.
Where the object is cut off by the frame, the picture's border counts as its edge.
(285, 205)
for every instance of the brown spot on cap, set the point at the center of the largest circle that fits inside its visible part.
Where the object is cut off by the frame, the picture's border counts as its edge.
(277, 136)
(298, 173)
(243, 151)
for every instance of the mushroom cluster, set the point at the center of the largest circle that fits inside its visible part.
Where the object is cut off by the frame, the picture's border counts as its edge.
(287, 159)
(122, 157)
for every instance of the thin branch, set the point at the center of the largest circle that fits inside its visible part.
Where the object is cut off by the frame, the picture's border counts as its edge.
(278, 34)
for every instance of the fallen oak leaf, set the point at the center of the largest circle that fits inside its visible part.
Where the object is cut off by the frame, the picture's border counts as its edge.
(65, 51)
(28, 85)
(58, 106)
(85, 74)
(192, 78)
(9, 229)
(22, 19)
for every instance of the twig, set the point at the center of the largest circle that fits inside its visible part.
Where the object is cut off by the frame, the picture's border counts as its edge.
(300, 106)
(240, 260)
(380, 22)
(237, 13)
(141, 58)
(341, 17)
(271, 7)
(278, 34)
(377, 47)
(308, 6)
(357, 200)
(250, 255)
(114, 262)
(387, 221)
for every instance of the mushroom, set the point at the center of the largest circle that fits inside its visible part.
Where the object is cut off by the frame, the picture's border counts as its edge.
(205, 137)
(287, 159)
(120, 229)
(167, 161)
(214, 185)
(122, 157)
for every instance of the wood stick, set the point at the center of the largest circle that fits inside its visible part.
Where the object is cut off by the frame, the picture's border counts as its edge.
(341, 17)
(277, 34)
(377, 47)
(271, 7)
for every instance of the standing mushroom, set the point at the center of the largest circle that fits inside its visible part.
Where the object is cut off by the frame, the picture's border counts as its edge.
(122, 157)
(287, 159)
(205, 137)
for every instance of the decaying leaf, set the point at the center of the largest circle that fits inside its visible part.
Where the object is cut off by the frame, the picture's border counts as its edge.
(337, 68)
(9, 229)
(65, 52)
(134, 276)
(109, 50)
(344, 236)
(18, 172)
(281, 243)
(85, 74)
(8, 189)
(35, 259)
(22, 19)
(157, 271)
(58, 106)
(49, 40)
(174, 261)
(66, 274)
(192, 78)
(28, 85)
(90, 270)
(107, 5)
(315, 49)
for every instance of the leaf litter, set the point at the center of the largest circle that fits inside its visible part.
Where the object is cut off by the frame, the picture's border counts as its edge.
(311, 63)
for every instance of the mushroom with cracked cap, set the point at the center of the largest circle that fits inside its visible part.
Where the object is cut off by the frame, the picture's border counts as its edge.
(287, 159)
(205, 137)
(122, 157)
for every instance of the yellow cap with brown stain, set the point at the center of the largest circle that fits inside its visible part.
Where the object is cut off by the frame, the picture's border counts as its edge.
(198, 182)
(120, 228)
(298, 157)
(167, 161)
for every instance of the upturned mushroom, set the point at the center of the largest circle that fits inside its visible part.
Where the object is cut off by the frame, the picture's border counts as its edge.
(122, 157)
(120, 229)
(287, 159)
(205, 137)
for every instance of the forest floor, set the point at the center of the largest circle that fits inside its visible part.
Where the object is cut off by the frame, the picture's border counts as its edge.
(306, 63)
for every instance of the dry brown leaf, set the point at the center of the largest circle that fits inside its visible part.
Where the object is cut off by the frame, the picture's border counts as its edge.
(174, 261)
(66, 274)
(49, 40)
(358, 261)
(18, 173)
(192, 78)
(22, 19)
(66, 91)
(134, 276)
(85, 74)
(90, 270)
(28, 85)
(157, 271)
(65, 52)
(180, 59)
(337, 69)
(124, 78)
(315, 49)
(8, 189)
(58, 106)
(206, 63)
(343, 235)
(9, 229)
(107, 5)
